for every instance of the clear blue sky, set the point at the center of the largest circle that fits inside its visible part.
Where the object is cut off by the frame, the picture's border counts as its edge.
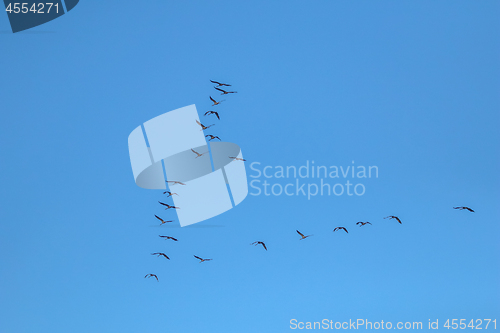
(411, 87)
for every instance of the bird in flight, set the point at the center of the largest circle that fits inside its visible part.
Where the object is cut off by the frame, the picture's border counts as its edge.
(167, 205)
(226, 92)
(150, 275)
(160, 254)
(237, 158)
(162, 221)
(302, 235)
(215, 102)
(462, 208)
(212, 112)
(340, 228)
(212, 137)
(175, 182)
(169, 194)
(393, 217)
(201, 260)
(259, 242)
(220, 84)
(198, 154)
(203, 127)
(169, 237)
(362, 223)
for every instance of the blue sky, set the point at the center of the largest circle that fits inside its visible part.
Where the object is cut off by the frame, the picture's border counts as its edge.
(410, 87)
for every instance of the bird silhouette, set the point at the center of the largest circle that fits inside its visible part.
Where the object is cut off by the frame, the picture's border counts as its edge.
(198, 154)
(212, 137)
(340, 228)
(237, 158)
(169, 237)
(201, 260)
(226, 92)
(175, 182)
(158, 254)
(150, 275)
(170, 194)
(220, 84)
(259, 242)
(215, 102)
(162, 221)
(464, 208)
(362, 223)
(212, 112)
(393, 217)
(203, 127)
(168, 206)
(302, 235)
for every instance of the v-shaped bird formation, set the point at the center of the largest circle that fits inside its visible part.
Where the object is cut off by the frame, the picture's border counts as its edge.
(197, 154)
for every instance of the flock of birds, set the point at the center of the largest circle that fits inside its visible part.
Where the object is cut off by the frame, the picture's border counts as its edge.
(212, 137)
(216, 113)
(198, 154)
(302, 236)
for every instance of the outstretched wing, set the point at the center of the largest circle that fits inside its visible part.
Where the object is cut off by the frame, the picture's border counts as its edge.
(198, 257)
(215, 82)
(225, 92)
(300, 233)
(264, 245)
(159, 218)
(164, 204)
(213, 100)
